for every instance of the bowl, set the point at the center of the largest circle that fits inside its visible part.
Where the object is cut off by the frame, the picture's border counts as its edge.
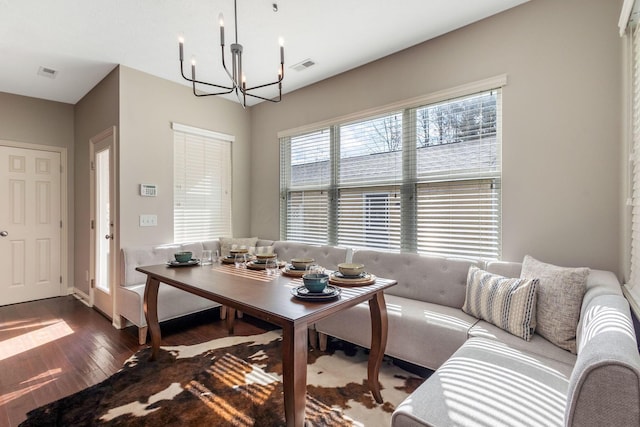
(265, 256)
(238, 251)
(183, 256)
(351, 269)
(302, 263)
(315, 282)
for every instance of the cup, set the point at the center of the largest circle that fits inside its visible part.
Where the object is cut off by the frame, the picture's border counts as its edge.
(240, 261)
(207, 257)
(271, 266)
(314, 269)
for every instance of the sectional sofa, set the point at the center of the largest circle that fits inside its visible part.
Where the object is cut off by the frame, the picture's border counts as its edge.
(485, 375)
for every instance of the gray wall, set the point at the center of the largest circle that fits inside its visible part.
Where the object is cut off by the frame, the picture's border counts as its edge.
(148, 105)
(42, 122)
(561, 122)
(96, 111)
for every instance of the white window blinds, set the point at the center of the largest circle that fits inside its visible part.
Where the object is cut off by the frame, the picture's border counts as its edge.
(421, 179)
(632, 289)
(202, 184)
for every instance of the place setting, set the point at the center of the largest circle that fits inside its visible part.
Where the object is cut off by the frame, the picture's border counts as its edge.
(351, 274)
(183, 259)
(316, 287)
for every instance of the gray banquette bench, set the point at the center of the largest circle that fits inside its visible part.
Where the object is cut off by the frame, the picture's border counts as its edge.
(484, 376)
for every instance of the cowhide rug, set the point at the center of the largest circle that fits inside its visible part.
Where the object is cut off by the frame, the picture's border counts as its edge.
(233, 381)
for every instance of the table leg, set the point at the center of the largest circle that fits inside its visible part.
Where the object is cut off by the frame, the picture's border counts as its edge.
(231, 319)
(294, 373)
(379, 330)
(151, 314)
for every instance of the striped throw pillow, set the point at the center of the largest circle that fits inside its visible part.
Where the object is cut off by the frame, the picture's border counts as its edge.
(510, 304)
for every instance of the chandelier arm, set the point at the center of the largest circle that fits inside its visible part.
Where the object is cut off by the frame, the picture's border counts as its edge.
(278, 99)
(226, 88)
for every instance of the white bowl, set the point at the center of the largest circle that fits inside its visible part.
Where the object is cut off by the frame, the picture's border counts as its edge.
(351, 269)
(302, 263)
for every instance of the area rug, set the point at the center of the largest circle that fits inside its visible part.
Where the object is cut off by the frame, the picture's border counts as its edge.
(233, 381)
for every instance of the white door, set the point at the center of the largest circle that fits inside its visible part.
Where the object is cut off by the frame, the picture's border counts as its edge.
(30, 225)
(103, 209)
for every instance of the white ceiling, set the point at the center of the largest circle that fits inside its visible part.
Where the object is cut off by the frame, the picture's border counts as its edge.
(85, 39)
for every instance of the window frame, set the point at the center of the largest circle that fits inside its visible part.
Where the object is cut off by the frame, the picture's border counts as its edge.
(409, 182)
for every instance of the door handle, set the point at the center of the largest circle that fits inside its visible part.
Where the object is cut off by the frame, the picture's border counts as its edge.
(4, 233)
(108, 236)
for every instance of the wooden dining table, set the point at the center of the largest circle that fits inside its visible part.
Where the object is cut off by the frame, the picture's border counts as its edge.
(269, 297)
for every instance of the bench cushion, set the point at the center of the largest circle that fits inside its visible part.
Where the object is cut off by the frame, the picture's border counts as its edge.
(422, 333)
(489, 383)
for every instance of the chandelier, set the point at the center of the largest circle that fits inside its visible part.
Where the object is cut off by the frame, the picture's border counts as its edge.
(238, 84)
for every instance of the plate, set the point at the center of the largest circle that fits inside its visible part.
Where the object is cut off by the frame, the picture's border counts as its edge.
(289, 270)
(303, 293)
(344, 276)
(337, 279)
(183, 264)
(255, 265)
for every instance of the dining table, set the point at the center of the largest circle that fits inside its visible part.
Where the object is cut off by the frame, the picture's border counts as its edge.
(278, 299)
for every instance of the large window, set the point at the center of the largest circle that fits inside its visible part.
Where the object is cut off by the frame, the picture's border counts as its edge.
(420, 179)
(202, 184)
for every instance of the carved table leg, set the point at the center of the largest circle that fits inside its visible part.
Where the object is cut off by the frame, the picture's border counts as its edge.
(151, 314)
(379, 330)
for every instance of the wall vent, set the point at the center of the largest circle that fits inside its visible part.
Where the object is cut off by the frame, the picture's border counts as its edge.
(300, 66)
(47, 72)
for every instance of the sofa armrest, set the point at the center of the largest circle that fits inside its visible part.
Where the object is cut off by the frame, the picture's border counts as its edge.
(604, 388)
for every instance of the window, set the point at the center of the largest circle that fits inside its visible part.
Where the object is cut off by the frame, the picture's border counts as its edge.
(202, 184)
(422, 178)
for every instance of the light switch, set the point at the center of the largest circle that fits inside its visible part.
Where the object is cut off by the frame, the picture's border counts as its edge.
(148, 220)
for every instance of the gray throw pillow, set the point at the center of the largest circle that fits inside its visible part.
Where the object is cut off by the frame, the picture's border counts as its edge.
(228, 243)
(510, 304)
(560, 293)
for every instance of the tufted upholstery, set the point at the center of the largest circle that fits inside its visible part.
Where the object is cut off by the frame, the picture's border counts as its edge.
(326, 256)
(432, 279)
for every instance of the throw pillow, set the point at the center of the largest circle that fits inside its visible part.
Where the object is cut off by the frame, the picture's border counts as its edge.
(228, 243)
(510, 304)
(560, 294)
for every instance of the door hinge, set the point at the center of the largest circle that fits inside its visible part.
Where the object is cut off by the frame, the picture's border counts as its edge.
(60, 223)
(92, 284)
(92, 224)
(93, 166)
(60, 279)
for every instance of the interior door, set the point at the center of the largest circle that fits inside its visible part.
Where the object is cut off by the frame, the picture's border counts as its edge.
(30, 225)
(103, 223)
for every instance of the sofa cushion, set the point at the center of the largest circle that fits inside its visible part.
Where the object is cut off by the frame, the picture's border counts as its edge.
(560, 293)
(488, 383)
(510, 304)
(605, 384)
(228, 243)
(434, 279)
(537, 345)
(422, 333)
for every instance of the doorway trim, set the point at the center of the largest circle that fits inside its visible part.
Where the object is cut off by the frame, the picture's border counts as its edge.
(108, 132)
(66, 287)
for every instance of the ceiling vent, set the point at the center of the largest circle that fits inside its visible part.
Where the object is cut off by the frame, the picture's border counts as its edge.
(300, 66)
(47, 72)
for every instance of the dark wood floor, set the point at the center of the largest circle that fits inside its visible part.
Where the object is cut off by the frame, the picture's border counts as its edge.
(55, 347)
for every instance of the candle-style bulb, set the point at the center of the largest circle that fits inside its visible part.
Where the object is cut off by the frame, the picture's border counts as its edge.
(221, 21)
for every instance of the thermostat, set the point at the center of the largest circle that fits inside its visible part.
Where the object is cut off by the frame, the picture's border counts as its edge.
(148, 190)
